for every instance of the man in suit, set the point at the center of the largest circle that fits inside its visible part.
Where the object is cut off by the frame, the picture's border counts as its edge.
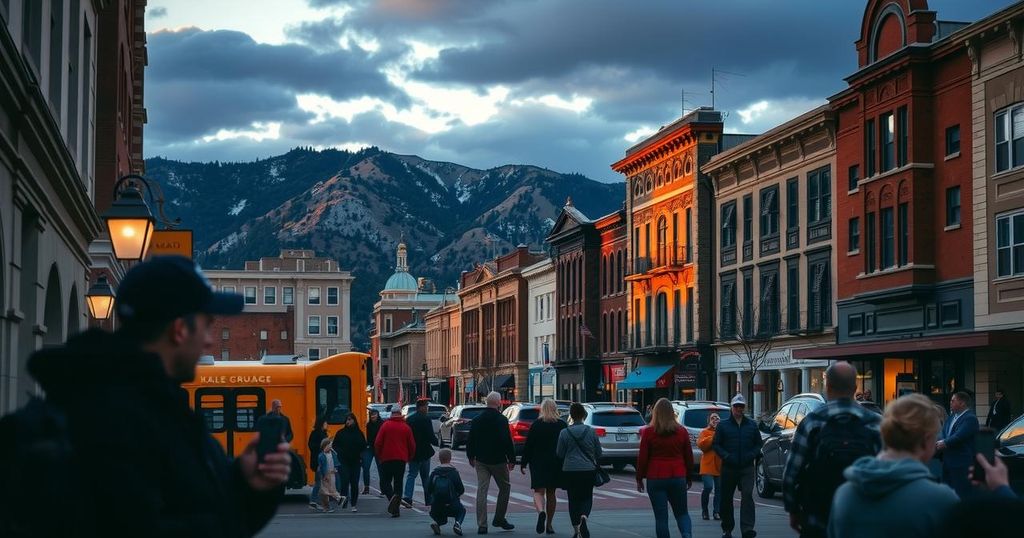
(999, 412)
(957, 444)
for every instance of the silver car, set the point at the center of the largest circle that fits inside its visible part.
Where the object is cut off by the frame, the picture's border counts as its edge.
(434, 411)
(618, 427)
(693, 415)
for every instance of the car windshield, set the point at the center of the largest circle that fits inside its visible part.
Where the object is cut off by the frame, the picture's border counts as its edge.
(436, 412)
(530, 413)
(1013, 434)
(698, 418)
(618, 418)
(471, 412)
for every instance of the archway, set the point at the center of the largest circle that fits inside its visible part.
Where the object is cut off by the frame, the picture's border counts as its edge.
(74, 315)
(53, 315)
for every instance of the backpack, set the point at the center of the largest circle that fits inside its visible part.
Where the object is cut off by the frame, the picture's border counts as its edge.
(842, 440)
(36, 464)
(443, 489)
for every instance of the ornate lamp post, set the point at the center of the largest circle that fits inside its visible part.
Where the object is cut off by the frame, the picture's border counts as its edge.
(130, 223)
(100, 299)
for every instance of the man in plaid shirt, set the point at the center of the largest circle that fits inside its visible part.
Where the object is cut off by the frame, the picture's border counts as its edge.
(813, 472)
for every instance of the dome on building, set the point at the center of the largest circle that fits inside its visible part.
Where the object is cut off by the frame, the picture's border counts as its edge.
(401, 281)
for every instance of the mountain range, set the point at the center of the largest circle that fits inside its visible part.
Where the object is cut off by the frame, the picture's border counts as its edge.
(356, 206)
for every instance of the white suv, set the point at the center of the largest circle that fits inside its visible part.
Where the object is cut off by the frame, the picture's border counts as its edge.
(618, 427)
(693, 415)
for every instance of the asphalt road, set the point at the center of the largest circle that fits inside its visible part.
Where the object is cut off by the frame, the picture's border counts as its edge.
(619, 510)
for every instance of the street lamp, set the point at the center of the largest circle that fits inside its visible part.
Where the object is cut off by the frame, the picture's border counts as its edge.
(100, 299)
(423, 372)
(130, 223)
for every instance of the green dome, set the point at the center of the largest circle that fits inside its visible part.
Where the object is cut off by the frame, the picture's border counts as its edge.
(401, 281)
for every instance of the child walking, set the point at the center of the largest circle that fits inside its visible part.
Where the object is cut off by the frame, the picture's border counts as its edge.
(326, 474)
(444, 489)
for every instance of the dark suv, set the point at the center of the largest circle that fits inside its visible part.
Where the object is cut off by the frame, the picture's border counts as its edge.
(520, 416)
(455, 426)
(778, 438)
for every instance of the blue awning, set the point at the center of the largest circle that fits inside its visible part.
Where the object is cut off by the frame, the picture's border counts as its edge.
(647, 377)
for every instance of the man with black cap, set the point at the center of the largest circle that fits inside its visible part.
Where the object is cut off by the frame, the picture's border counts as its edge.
(738, 442)
(145, 464)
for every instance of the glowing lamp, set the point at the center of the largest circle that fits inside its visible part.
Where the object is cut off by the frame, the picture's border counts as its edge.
(100, 299)
(130, 225)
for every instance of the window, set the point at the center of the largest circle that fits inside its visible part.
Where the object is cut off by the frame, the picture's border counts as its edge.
(769, 211)
(904, 248)
(869, 235)
(952, 140)
(287, 295)
(313, 328)
(313, 354)
(793, 294)
(662, 239)
(332, 351)
(332, 295)
(225, 334)
(270, 295)
(853, 178)
(748, 218)
(314, 296)
(819, 195)
(854, 235)
(264, 334)
(902, 131)
(387, 324)
(819, 300)
(88, 125)
(211, 408)
(250, 295)
(332, 325)
(768, 320)
(284, 335)
(228, 289)
(748, 303)
(888, 238)
(689, 314)
(225, 355)
(792, 203)
(56, 57)
(729, 225)
(661, 325)
(677, 316)
(1010, 138)
(689, 226)
(1010, 244)
(886, 138)
(728, 317)
(953, 206)
(869, 148)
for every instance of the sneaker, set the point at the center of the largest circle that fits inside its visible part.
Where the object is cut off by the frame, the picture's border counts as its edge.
(407, 503)
(366, 490)
(436, 528)
(342, 501)
(354, 509)
(541, 519)
(504, 525)
(330, 510)
(393, 505)
(457, 528)
(716, 516)
(313, 504)
(584, 531)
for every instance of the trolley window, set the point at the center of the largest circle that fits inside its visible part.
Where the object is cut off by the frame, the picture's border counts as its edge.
(211, 409)
(248, 408)
(334, 397)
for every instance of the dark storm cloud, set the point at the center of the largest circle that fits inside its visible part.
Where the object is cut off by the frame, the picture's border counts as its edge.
(190, 109)
(156, 12)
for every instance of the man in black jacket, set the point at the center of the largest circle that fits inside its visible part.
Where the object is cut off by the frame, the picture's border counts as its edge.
(999, 413)
(491, 452)
(372, 427)
(148, 467)
(738, 442)
(423, 433)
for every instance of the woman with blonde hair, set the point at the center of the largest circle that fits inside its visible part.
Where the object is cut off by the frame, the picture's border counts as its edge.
(895, 487)
(545, 466)
(665, 460)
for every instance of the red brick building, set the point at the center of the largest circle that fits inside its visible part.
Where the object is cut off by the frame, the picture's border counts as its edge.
(251, 335)
(613, 305)
(904, 237)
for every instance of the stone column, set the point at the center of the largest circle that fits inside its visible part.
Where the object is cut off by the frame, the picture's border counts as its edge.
(805, 379)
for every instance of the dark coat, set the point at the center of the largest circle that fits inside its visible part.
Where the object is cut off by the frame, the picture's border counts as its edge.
(316, 437)
(999, 414)
(423, 433)
(372, 427)
(959, 439)
(288, 435)
(452, 473)
(131, 427)
(539, 454)
(738, 444)
(349, 443)
(490, 440)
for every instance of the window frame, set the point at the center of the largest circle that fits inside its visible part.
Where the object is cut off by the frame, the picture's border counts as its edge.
(728, 216)
(870, 151)
(819, 204)
(902, 132)
(264, 335)
(1004, 118)
(853, 178)
(310, 355)
(953, 207)
(886, 148)
(270, 299)
(792, 204)
(853, 235)
(337, 325)
(337, 295)
(769, 212)
(310, 298)
(1012, 244)
(288, 295)
(309, 325)
(953, 131)
(887, 235)
(254, 298)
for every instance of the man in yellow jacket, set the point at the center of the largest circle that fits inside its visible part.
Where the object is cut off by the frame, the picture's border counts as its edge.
(710, 467)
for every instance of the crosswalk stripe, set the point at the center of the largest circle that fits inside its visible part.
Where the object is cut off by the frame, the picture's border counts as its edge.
(612, 494)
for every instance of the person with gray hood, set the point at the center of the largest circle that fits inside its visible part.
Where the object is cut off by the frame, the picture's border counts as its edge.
(895, 488)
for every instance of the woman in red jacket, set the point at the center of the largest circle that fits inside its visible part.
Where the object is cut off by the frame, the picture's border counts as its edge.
(664, 460)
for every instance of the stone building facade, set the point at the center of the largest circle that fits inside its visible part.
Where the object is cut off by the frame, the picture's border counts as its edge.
(540, 287)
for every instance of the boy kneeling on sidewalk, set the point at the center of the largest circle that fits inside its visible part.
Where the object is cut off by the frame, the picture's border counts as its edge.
(444, 489)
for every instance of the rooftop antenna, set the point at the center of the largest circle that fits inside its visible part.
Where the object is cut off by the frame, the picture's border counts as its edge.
(714, 77)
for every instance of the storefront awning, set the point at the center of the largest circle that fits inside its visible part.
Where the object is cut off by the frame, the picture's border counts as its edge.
(989, 339)
(647, 377)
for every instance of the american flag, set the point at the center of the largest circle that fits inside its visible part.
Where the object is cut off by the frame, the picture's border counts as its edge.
(585, 331)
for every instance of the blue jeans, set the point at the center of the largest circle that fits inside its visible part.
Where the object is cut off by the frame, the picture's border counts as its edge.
(423, 468)
(711, 483)
(667, 492)
(314, 496)
(367, 462)
(441, 512)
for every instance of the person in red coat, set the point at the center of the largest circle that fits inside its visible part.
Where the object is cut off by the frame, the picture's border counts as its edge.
(394, 446)
(665, 459)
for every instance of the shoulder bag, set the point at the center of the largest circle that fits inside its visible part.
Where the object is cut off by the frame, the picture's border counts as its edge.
(600, 475)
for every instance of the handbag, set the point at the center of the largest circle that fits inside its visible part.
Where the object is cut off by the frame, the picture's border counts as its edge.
(600, 475)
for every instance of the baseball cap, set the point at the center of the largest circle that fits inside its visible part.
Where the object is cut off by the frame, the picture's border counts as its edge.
(739, 400)
(167, 287)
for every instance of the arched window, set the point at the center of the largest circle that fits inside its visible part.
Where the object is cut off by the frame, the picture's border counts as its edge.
(621, 270)
(604, 281)
(661, 320)
(662, 242)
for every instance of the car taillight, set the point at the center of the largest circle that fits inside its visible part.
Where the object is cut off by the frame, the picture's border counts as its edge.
(462, 421)
(601, 432)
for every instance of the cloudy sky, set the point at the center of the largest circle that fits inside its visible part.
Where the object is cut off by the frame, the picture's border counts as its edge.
(563, 84)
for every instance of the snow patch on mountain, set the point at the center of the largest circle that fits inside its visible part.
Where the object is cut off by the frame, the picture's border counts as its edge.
(237, 208)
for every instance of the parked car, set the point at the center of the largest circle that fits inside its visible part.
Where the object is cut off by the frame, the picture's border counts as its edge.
(1011, 449)
(693, 415)
(520, 416)
(455, 425)
(618, 427)
(383, 408)
(434, 410)
(778, 439)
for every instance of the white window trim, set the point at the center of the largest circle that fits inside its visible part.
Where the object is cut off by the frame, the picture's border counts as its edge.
(1010, 215)
(309, 323)
(264, 335)
(337, 325)
(265, 288)
(309, 296)
(337, 295)
(309, 353)
(1007, 114)
(283, 295)
(255, 294)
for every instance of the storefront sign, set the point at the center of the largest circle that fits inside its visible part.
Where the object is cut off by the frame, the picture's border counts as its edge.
(686, 380)
(758, 387)
(618, 373)
(168, 242)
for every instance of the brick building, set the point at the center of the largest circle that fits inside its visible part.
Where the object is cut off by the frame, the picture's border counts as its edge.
(444, 357)
(251, 335)
(774, 258)
(612, 331)
(494, 335)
